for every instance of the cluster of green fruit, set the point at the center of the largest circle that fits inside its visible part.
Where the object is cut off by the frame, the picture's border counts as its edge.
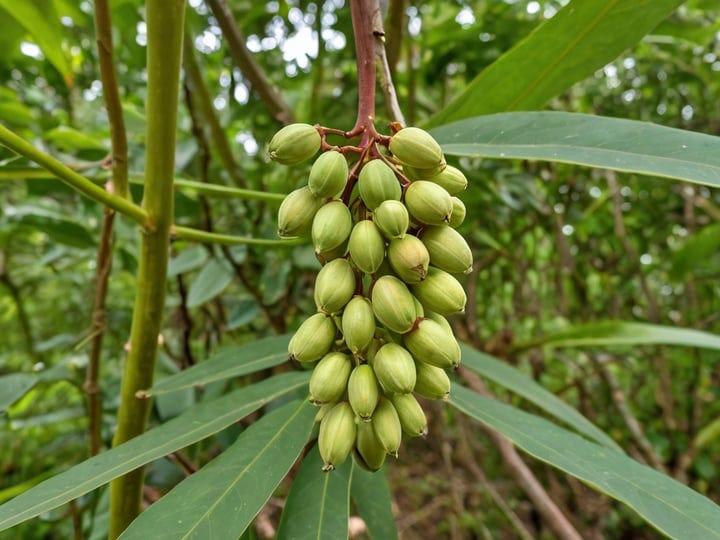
(385, 233)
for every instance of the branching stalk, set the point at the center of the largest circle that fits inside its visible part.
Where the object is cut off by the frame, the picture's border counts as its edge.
(164, 34)
(186, 233)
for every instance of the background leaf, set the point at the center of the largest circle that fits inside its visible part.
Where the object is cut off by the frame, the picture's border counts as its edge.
(211, 281)
(671, 507)
(581, 38)
(201, 421)
(13, 387)
(318, 506)
(222, 498)
(371, 493)
(522, 385)
(584, 139)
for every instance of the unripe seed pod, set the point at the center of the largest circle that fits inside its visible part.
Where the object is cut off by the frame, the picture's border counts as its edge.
(330, 255)
(334, 286)
(395, 369)
(452, 179)
(419, 309)
(331, 226)
(458, 213)
(322, 411)
(448, 249)
(358, 324)
(363, 391)
(441, 320)
(337, 435)
(393, 304)
(373, 349)
(296, 213)
(294, 144)
(440, 292)
(412, 417)
(328, 175)
(409, 258)
(366, 246)
(428, 203)
(416, 147)
(392, 219)
(429, 342)
(377, 183)
(386, 425)
(329, 378)
(369, 453)
(423, 174)
(313, 339)
(432, 382)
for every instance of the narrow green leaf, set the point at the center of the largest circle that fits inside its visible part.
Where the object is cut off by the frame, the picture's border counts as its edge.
(318, 506)
(42, 23)
(584, 139)
(211, 281)
(666, 504)
(522, 385)
(229, 362)
(223, 498)
(59, 229)
(13, 387)
(196, 424)
(611, 333)
(67, 138)
(707, 434)
(581, 38)
(189, 259)
(371, 493)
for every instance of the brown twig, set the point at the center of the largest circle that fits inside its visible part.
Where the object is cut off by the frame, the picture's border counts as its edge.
(247, 64)
(521, 473)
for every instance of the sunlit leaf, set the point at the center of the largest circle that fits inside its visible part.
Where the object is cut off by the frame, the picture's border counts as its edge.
(222, 498)
(584, 139)
(666, 504)
(196, 424)
(318, 505)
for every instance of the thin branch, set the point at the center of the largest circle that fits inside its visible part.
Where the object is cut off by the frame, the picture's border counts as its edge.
(388, 88)
(73, 179)
(186, 233)
(165, 20)
(225, 191)
(521, 473)
(396, 27)
(247, 64)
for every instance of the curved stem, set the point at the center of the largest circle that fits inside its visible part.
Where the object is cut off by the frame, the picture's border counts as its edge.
(186, 233)
(164, 30)
(225, 191)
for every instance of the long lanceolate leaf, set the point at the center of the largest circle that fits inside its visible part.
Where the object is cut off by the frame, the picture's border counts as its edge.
(229, 362)
(524, 386)
(371, 493)
(198, 423)
(581, 38)
(671, 507)
(221, 499)
(318, 506)
(595, 141)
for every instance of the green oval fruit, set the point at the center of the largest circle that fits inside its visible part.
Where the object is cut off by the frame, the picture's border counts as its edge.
(366, 246)
(423, 174)
(313, 339)
(330, 255)
(432, 382)
(440, 319)
(334, 286)
(377, 183)
(440, 292)
(392, 219)
(386, 426)
(428, 203)
(369, 453)
(448, 249)
(452, 179)
(337, 435)
(395, 369)
(429, 342)
(329, 378)
(458, 213)
(328, 175)
(358, 324)
(363, 392)
(393, 304)
(331, 226)
(409, 258)
(416, 147)
(296, 213)
(412, 417)
(294, 144)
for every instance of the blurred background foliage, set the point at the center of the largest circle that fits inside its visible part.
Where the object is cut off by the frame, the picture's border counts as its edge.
(556, 246)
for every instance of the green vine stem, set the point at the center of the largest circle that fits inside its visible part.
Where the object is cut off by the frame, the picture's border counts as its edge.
(186, 233)
(73, 179)
(165, 20)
